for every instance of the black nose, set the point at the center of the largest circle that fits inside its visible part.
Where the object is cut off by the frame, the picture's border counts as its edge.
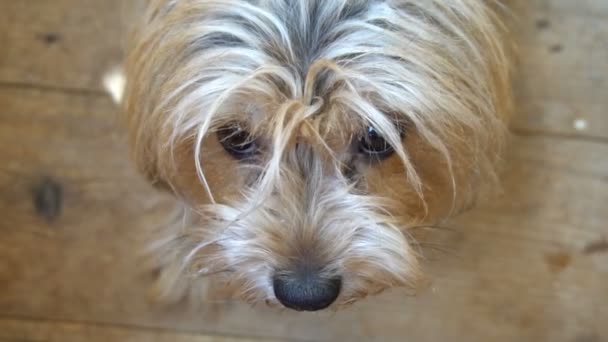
(306, 291)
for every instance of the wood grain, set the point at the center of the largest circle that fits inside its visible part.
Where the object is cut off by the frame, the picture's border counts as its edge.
(61, 43)
(563, 66)
(530, 265)
(51, 331)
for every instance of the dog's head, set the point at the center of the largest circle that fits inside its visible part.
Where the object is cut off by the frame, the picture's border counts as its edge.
(310, 136)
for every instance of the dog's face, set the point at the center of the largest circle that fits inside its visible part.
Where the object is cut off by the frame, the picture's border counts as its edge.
(307, 138)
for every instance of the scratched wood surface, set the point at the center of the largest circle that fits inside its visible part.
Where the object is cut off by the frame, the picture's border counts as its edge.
(531, 265)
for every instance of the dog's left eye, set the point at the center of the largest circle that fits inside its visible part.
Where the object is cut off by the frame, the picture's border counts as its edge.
(237, 141)
(374, 145)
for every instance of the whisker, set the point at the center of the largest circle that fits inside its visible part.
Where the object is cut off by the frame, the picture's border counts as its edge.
(432, 227)
(202, 274)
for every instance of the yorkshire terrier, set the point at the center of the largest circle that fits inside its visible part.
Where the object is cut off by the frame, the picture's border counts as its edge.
(306, 139)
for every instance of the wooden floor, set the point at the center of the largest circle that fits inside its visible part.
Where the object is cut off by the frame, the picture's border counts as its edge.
(531, 265)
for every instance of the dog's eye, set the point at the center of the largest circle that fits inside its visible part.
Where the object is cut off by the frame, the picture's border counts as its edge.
(374, 145)
(237, 141)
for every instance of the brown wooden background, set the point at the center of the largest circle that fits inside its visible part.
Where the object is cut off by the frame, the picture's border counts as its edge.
(531, 265)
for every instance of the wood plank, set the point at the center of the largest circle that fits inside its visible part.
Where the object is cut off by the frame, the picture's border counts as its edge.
(562, 80)
(582, 7)
(52, 331)
(61, 43)
(518, 268)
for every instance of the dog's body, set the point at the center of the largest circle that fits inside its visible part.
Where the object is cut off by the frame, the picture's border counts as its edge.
(305, 137)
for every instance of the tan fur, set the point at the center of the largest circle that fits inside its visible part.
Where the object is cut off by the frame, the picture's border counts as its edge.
(437, 67)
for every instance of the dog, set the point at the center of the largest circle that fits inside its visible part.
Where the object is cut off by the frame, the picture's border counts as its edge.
(306, 140)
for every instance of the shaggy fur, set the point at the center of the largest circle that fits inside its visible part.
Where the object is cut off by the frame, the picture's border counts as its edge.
(306, 79)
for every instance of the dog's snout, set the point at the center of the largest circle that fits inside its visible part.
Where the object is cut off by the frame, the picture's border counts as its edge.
(306, 290)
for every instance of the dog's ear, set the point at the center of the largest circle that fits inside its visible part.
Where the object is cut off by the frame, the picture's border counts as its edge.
(153, 176)
(143, 135)
(115, 85)
(145, 155)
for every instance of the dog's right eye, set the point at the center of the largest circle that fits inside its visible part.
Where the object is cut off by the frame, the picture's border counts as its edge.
(237, 141)
(374, 145)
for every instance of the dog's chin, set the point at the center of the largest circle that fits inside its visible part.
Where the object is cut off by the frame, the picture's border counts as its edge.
(305, 139)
